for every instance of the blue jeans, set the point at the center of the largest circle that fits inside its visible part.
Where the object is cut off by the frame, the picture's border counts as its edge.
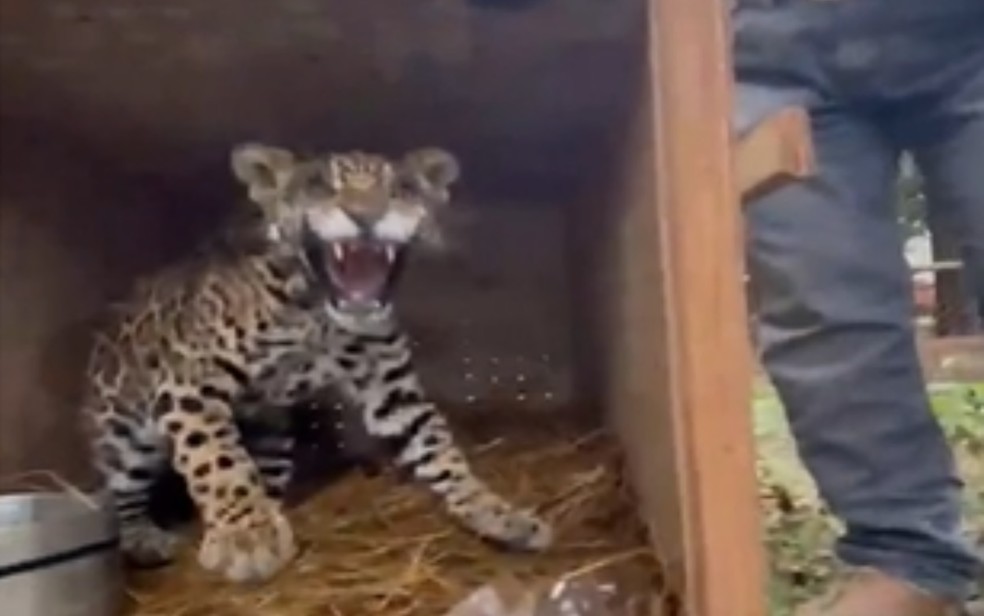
(836, 312)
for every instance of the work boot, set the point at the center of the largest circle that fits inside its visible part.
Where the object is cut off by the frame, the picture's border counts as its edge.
(867, 592)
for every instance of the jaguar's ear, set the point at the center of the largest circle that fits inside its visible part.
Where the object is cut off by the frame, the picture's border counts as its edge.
(432, 170)
(264, 170)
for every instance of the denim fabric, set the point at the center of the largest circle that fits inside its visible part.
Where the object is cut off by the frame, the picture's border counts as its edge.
(879, 77)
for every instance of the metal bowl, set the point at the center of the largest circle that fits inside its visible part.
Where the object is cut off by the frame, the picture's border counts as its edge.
(59, 556)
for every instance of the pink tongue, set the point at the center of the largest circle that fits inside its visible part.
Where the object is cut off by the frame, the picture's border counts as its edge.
(363, 268)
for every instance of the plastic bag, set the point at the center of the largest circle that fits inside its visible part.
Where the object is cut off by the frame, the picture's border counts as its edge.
(588, 594)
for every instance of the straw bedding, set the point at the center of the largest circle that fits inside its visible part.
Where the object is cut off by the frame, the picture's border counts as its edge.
(375, 546)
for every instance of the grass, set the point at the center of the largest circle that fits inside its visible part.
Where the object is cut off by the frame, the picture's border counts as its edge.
(800, 533)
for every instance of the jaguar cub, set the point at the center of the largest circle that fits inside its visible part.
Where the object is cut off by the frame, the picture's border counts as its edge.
(205, 356)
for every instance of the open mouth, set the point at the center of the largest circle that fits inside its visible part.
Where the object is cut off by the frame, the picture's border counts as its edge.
(360, 272)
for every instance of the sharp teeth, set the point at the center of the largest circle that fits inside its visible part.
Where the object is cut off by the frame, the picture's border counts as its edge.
(339, 252)
(391, 252)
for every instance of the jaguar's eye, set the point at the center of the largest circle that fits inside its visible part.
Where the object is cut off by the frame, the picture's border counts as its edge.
(316, 186)
(405, 185)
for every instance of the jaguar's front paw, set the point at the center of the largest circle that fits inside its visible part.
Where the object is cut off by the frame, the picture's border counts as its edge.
(500, 523)
(250, 544)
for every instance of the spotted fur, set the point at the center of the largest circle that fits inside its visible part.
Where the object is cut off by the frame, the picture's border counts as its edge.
(205, 357)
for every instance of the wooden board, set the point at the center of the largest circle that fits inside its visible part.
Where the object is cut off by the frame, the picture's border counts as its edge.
(776, 152)
(951, 313)
(662, 340)
(707, 515)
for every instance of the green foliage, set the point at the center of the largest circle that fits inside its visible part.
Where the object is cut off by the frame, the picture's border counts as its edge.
(960, 410)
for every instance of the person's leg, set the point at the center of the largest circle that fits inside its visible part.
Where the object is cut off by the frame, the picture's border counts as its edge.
(837, 339)
(836, 306)
(945, 130)
(947, 136)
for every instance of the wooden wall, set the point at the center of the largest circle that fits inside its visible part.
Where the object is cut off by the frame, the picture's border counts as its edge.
(116, 117)
(522, 90)
(73, 232)
(115, 121)
(669, 356)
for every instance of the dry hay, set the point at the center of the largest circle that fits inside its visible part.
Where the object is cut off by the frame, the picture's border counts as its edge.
(370, 546)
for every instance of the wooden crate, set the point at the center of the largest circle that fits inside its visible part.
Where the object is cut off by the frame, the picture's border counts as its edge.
(605, 124)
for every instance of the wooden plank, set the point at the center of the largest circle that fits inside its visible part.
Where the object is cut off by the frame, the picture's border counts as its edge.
(774, 153)
(707, 356)
(937, 266)
(950, 312)
(636, 373)
(663, 282)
